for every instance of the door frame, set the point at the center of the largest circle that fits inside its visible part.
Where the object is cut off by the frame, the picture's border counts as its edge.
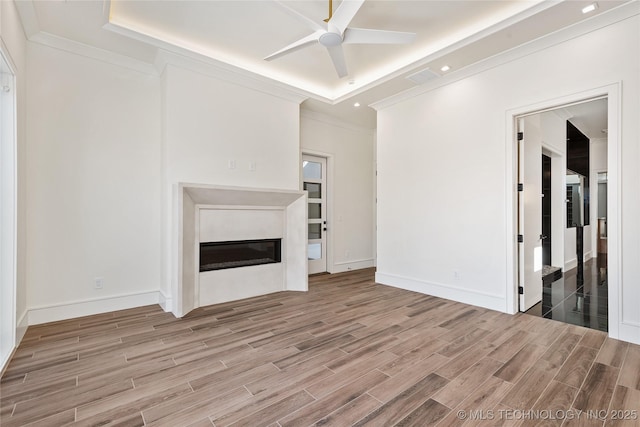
(329, 233)
(9, 217)
(614, 202)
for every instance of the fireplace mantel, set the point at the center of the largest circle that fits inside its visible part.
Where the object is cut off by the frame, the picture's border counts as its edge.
(239, 205)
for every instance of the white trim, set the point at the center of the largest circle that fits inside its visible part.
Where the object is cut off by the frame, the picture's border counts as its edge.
(613, 93)
(33, 33)
(21, 329)
(614, 216)
(358, 264)
(9, 207)
(172, 55)
(169, 53)
(334, 121)
(165, 302)
(61, 43)
(71, 310)
(459, 294)
(605, 19)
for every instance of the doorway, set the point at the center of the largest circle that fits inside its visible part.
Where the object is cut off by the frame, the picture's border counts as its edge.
(562, 267)
(314, 182)
(7, 211)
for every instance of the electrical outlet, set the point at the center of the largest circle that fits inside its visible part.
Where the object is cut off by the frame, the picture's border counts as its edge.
(98, 283)
(232, 164)
(456, 274)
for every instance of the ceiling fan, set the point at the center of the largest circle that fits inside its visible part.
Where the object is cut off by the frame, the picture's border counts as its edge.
(338, 32)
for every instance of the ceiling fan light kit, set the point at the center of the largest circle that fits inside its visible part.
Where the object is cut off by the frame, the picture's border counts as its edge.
(338, 33)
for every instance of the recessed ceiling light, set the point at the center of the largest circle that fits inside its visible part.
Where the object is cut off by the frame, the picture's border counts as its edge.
(590, 8)
(357, 104)
(445, 68)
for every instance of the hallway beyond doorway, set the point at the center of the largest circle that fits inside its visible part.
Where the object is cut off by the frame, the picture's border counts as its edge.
(584, 305)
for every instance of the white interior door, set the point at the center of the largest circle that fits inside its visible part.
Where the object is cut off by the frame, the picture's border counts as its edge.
(314, 178)
(530, 212)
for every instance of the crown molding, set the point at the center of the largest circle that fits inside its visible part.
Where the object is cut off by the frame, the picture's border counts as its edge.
(621, 13)
(92, 52)
(33, 33)
(213, 68)
(333, 121)
(166, 54)
(170, 54)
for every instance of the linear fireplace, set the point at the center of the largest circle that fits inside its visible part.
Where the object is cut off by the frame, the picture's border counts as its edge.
(242, 253)
(210, 216)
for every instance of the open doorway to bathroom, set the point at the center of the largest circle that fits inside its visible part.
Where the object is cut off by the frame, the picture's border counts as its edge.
(563, 213)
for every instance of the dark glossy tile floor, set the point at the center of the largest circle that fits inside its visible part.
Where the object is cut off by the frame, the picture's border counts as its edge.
(584, 304)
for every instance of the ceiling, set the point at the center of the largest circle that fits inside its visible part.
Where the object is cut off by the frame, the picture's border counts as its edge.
(590, 117)
(241, 33)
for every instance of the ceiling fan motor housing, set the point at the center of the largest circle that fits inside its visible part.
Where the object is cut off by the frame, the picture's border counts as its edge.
(329, 39)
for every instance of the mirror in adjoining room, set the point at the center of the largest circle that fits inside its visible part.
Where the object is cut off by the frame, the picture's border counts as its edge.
(577, 177)
(577, 203)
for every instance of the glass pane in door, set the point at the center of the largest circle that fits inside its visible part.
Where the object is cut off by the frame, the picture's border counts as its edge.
(311, 170)
(314, 190)
(315, 210)
(315, 251)
(315, 231)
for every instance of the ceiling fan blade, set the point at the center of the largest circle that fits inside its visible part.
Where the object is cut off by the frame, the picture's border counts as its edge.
(337, 56)
(366, 36)
(297, 45)
(302, 18)
(343, 15)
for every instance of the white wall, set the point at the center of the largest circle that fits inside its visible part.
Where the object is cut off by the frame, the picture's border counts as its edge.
(13, 45)
(350, 151)
(208, 122)
(105, 147)
(442, 203)
(93, 183)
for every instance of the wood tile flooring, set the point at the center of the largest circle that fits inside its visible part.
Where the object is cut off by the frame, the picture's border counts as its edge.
(348, 352)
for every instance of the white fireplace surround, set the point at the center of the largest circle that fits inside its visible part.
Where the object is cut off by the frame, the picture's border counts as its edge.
(215, 213)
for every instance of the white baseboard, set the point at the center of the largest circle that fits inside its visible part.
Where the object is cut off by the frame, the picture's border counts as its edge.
(630, 332)
(21, 327)
(463, 295)
(53, 313)
(165, 302)
(340, 267)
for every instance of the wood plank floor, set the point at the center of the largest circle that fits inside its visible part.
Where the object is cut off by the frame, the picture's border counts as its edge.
(348, 352)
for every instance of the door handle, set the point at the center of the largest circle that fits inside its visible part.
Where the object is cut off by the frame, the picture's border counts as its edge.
(542, 237)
